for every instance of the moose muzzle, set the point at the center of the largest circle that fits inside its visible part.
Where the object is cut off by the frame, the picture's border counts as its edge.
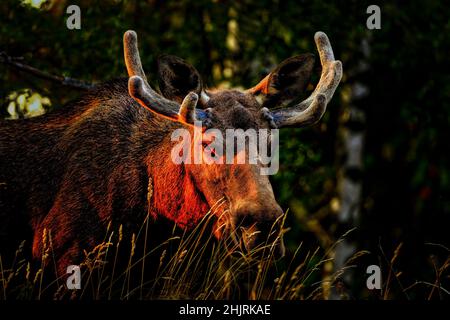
(258, 228)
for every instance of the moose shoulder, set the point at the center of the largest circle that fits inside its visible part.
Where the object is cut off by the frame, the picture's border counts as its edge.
(74, 170)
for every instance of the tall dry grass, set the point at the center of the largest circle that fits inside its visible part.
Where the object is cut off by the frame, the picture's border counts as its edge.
(187, 265)
(191, 265)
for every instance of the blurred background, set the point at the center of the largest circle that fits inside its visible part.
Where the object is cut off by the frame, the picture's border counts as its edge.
(377, 164)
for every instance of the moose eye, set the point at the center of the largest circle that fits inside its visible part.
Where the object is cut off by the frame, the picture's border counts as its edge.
(208, 148)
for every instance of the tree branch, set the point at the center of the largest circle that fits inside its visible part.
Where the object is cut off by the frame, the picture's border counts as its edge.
(65, 81)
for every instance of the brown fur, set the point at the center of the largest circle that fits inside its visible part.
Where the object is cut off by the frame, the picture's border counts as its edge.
(73, 170)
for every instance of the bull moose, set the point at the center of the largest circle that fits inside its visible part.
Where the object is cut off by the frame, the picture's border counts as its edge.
(75, 169)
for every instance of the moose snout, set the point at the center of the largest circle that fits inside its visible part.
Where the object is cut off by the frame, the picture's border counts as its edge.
(259, 228)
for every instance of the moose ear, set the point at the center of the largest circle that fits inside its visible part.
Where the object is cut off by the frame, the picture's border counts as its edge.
(287, 81)
(177, 78)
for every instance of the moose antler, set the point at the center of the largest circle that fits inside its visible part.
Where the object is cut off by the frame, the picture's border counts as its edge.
(143, 93)
(310, 110)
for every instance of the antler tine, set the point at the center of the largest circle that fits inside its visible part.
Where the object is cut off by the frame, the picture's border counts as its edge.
(187, 109)
(310, 110)
(132, 58)
(143, 93)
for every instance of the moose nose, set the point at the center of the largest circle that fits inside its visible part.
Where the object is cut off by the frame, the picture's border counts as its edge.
(259, 227)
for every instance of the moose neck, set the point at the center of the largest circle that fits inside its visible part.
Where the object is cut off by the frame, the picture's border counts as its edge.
(175, 196)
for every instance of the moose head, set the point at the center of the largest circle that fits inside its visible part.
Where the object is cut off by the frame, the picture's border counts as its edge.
(250, 210)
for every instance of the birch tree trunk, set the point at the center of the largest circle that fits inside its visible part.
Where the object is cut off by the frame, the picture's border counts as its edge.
(350, 149)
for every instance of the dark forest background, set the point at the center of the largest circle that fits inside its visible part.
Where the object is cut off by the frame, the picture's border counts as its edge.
(377, 161)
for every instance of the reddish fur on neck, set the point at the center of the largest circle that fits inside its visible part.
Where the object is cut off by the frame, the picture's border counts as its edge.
(175, 195)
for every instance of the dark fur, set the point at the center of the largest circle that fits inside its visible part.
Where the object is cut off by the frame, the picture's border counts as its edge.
(73, 170)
